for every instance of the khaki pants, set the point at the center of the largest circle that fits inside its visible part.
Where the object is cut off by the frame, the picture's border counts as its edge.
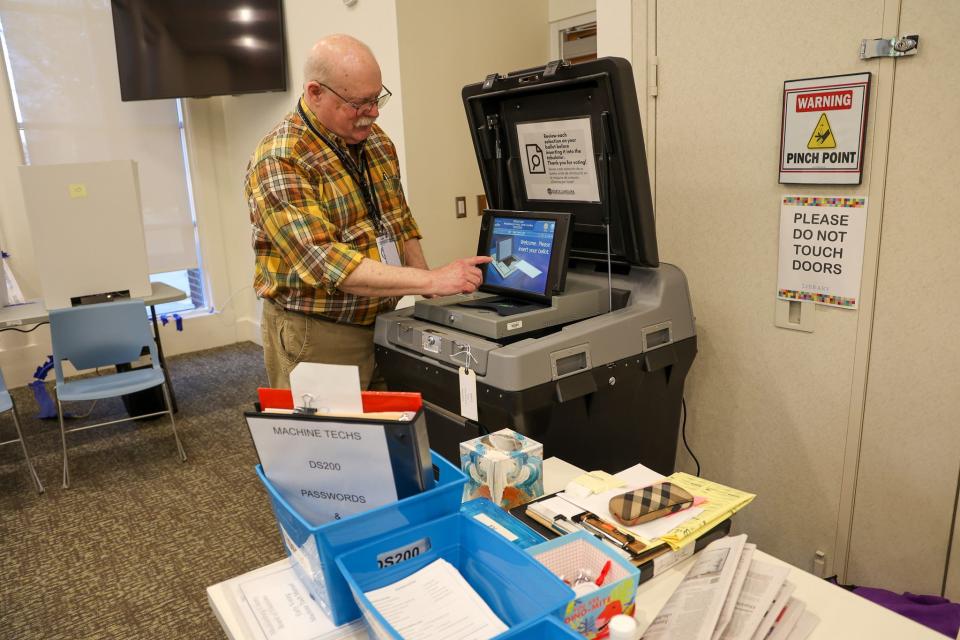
(290, 338)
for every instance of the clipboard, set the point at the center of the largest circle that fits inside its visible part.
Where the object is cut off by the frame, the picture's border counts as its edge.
(332, 466)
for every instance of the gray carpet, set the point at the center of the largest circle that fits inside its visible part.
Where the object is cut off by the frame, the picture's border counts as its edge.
(128, 551)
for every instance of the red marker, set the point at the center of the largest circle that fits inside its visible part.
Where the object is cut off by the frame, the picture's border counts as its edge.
(604, 572)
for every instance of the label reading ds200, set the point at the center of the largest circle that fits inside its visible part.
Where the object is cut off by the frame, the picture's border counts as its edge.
(516, 324)
(398, 555)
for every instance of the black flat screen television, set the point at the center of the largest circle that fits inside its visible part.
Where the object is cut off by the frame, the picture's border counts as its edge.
(189, 48)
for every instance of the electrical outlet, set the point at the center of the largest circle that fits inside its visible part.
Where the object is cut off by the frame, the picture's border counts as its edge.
(481, 204)
(461, 206)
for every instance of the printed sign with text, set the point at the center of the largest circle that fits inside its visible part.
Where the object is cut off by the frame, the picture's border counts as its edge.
(824, 120)
(821, 249)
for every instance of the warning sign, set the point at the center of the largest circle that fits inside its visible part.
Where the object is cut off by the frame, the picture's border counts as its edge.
(821, 138)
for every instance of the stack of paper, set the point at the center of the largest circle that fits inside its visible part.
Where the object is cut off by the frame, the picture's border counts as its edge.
(729, 595)
(436, 603)
(272, 604)
(716, 503)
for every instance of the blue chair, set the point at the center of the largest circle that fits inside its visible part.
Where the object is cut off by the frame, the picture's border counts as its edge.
(100, 335)
(6, 404)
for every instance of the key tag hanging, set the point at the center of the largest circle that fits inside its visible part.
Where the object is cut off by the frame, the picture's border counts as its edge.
(468, 384)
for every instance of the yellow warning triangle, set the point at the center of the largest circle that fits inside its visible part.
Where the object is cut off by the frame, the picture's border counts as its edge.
(822, 137)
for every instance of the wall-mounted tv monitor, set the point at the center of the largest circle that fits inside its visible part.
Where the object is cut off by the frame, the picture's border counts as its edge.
(192, 48)
(529, 250)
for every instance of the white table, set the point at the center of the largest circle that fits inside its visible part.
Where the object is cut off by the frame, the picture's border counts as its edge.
(842, 614)
(34, 312)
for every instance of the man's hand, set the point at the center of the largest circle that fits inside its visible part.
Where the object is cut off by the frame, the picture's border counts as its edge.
(460, 276)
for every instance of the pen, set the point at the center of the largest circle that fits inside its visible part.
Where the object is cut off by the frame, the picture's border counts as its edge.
(597, 531)
(564, 525)
(604, 572)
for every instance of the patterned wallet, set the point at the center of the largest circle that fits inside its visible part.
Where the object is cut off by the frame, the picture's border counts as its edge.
(649, 503)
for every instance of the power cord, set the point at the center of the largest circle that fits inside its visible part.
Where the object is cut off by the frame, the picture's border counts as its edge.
(38, 325)
(683, 432)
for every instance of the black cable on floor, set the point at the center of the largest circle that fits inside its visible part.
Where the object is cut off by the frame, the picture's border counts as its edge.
(39, 324)
(683, 432)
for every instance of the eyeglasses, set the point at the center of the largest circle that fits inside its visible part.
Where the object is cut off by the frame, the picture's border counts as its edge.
(366, 105)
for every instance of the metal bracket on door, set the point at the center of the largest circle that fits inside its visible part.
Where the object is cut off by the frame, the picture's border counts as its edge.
(892, 48)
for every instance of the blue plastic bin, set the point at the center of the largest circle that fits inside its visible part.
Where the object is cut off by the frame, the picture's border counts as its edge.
(542, 629)
(517, 588)
(313, 549)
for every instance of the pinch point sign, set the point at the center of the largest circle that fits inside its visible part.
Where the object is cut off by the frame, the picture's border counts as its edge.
(822, 133)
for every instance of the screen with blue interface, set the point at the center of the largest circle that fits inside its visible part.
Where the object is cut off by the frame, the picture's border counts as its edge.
(521, 251)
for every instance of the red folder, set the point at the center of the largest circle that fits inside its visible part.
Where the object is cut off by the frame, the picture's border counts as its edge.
(372, 400)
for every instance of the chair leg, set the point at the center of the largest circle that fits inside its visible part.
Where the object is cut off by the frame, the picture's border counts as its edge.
(166, 399)
(63, 440)
(23, 445)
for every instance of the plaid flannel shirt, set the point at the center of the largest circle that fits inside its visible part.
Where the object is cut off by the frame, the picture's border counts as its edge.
(310, 226)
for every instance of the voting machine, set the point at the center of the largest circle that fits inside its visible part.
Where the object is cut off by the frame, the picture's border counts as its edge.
(579, 337)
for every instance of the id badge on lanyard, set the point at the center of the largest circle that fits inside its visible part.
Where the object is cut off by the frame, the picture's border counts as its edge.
(387, 247)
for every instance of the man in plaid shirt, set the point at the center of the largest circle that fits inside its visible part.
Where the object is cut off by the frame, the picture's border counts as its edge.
(334, 239)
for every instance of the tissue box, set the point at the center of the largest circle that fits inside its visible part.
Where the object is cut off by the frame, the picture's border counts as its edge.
(505, 467)
(589, 614)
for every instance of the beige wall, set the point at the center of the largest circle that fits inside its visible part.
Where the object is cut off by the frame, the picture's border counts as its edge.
(444, 46)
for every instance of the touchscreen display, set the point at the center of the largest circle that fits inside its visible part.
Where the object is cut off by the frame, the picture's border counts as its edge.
(521, 250)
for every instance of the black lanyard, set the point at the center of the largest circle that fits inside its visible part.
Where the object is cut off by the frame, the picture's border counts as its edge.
(360, 174)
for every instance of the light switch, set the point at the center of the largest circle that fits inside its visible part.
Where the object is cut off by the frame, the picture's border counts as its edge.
(461, 206)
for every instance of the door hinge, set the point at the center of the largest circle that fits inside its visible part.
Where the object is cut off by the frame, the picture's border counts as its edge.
(892, 48)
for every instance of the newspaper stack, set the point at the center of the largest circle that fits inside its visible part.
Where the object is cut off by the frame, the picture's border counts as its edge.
(729, 595)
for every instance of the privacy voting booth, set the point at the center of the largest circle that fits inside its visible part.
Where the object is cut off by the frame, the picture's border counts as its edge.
(579, 337)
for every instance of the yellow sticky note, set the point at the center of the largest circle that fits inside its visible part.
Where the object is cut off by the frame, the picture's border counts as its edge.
(78, 190)
(598, 481)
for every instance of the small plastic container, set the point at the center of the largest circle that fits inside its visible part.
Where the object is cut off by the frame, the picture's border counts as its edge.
(314, 549)
(590, 613)
(485, 512)
(517, 588)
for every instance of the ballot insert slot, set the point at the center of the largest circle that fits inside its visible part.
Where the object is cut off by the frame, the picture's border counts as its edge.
(570, 361)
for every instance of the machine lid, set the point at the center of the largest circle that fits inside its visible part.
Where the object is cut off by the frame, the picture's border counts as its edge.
(567, 138)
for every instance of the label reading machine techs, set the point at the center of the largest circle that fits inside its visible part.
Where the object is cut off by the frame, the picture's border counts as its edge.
(824, 120)
(326, 470)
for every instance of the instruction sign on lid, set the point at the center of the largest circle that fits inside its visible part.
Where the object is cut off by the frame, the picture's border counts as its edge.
(824, 121)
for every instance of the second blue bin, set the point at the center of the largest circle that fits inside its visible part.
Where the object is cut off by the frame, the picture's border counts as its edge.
(313, 549)
(517, 588)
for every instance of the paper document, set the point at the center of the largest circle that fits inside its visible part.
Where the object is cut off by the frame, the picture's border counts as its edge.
(787, 621)
(326, 470)
(722, 502)
(760, 587)
(804, 627)
(274, 605)
(436, 603)
(328, 388)
(635, 477)
(774, 610)
(735, 587)
(692, 611)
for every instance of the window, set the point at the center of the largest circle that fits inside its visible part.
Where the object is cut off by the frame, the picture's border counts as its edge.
(62, 68)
